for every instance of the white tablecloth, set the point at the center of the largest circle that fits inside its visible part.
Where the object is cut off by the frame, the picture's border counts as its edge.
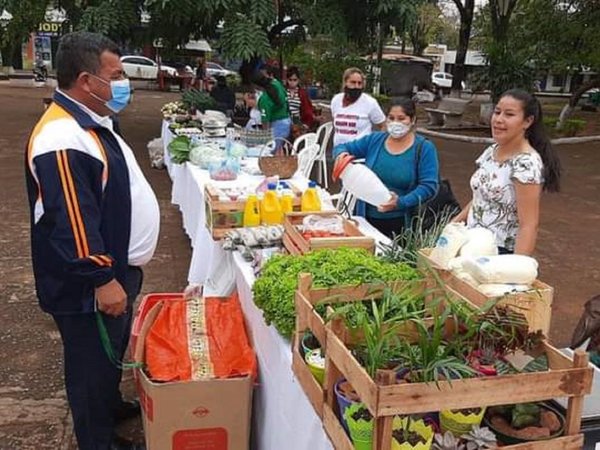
(282, 418)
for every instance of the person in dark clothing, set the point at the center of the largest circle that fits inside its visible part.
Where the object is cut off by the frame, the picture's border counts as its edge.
(223, 95)
(94, 223)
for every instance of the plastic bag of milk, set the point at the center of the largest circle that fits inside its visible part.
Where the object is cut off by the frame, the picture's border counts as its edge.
(480, 242)
(453, 236)
(502, 269)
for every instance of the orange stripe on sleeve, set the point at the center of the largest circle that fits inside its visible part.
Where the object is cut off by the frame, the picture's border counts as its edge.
(76, 208)
(97, 260)
(105, 258)
(70, 212)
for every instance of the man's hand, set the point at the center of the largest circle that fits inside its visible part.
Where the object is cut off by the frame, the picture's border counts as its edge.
(111, 298)
(390, 205)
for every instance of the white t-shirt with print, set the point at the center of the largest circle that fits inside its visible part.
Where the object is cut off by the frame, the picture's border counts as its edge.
(494, 203)
(354, 121)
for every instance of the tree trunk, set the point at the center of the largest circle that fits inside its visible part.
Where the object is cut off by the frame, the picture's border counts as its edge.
(466, 21)
(380, 42)
(568, 109)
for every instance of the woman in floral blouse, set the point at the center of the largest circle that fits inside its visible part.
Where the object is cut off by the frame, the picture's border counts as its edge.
(512, 173)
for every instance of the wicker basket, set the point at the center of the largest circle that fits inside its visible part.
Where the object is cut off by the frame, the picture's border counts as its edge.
(283, 165)
(254, 138)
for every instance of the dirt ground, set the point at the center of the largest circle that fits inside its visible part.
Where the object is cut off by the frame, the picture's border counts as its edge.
(33, 410)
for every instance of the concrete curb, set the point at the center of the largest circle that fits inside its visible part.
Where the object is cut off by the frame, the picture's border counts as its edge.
(485, 140)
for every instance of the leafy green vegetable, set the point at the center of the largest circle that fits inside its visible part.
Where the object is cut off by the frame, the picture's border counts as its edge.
(179, 149)
(274, 289)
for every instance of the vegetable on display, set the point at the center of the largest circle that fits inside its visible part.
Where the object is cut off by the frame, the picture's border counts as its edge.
(179, 149)
(274, 289)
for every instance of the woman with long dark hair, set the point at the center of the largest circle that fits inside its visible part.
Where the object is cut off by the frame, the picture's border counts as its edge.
(301, 108)
(512, 173)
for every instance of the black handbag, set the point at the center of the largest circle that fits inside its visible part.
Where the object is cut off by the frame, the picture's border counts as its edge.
(442, 204)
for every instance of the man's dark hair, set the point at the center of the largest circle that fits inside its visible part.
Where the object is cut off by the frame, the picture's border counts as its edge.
(80, 52)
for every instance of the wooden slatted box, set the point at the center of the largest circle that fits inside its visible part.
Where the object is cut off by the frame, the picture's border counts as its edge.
(296, 244)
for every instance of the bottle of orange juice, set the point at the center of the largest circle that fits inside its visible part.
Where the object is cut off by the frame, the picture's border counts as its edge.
(287, 201)
(310, 201)
(252, 212)
(270, 210)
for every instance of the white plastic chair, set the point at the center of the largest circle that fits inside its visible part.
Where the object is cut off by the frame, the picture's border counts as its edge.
(304, 141)
(324, 133)
(307, 158)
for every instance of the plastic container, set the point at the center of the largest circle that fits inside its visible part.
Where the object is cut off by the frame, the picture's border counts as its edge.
(310, 201)
(287, 202)
(252, 212)
(362, 182)
(316, 363)
(270, 210)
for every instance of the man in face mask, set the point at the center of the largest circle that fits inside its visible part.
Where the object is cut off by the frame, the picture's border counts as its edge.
(94, 223)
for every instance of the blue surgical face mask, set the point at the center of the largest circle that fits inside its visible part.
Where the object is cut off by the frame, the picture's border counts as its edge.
(120, 91)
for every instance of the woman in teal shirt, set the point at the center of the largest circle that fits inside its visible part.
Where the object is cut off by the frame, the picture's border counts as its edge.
(392, 154)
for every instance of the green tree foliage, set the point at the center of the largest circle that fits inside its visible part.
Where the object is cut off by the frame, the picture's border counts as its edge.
(26, 16)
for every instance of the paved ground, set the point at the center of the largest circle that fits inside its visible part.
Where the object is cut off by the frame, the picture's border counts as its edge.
(33, 411)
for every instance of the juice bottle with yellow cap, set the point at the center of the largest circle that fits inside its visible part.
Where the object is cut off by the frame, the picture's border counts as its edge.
(270, 209)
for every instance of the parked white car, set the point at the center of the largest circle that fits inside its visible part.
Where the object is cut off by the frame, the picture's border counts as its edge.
(214, 70)
(144, 68)
(443, 80)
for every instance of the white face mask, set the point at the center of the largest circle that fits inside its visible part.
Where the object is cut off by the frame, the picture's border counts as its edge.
(398, 129)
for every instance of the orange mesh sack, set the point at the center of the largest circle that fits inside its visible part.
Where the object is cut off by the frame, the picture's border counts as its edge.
(199, 338)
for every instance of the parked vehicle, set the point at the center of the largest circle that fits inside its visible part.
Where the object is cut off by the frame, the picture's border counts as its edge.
(443, 80)
(144, 68)
(214, 70)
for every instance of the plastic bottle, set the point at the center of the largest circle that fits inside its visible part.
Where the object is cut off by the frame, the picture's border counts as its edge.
(287, 201)
(252, 212)
(361, 181)
(310, 201)
(270, 211)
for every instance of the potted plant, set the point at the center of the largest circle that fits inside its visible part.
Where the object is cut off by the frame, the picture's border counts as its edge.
(460, 421)
(316, 363)
(433, 358)
(514, 424)
(409, 434)
(379, 340)
(360, 426)
(477, 439)
(309, 342)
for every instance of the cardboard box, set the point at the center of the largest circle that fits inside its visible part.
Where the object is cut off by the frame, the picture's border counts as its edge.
(193, 415)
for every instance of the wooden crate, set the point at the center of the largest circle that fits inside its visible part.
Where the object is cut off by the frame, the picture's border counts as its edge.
(223, 216)
(296, 244)
(384, 399)
(307, 318)
(535, 305)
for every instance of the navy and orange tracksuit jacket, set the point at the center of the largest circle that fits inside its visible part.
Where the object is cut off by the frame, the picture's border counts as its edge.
(80, 201)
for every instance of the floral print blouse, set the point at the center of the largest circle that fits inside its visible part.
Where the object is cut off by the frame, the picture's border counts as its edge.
(494, 203)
